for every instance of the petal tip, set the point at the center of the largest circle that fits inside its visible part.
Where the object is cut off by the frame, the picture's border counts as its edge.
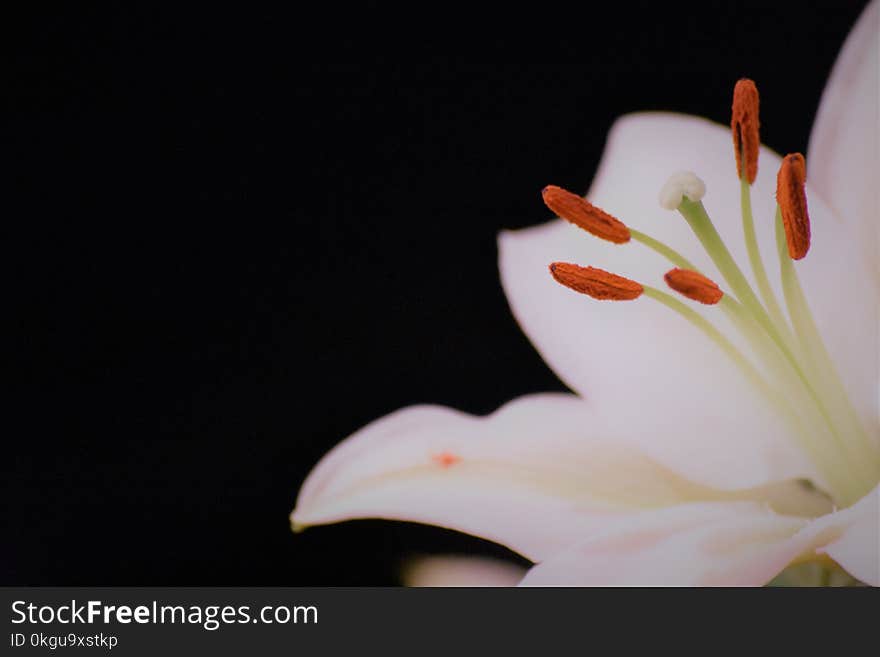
(296, 526)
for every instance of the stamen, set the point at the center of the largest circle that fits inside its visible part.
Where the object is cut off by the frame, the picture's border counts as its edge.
(694, 286)
(797, 374)
(680, 186)
(833, 392)
(751, 239)
(745, 126)
(662, 249)
(804, 425)
(596, 283)
(793, 203)
(585, 215)
(795, 393)
(704, 325)
(702, 226)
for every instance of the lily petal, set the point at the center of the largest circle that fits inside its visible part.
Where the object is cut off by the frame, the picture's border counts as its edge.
(721, 544)
(460, 570)
(689, 545)
(716, 427)
(734, 544)
(858, 547)
(844, 162)
(538, 474)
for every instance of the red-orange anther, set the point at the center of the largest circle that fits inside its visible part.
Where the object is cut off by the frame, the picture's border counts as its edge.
(585, 215)
(792, 200)
(694, 286)
(596, 283)
(745, 126)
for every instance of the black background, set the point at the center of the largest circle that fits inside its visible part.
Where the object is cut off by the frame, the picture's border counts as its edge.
(234, 238)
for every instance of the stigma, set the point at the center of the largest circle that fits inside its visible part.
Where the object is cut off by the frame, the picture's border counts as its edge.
(680, 186)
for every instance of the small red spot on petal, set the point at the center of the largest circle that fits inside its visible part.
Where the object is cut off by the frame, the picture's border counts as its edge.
(446, 459)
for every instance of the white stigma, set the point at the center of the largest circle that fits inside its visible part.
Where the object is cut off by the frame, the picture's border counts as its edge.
(680, 185)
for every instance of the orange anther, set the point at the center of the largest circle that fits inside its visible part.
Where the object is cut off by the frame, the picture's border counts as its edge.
(585, 215)
(596, 283)
(745, 126)
(792, 200)
(694, 286)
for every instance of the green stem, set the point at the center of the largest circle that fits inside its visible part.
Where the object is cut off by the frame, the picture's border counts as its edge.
(835, 473)
(863, 453)
(712, 333)
(659, 247)
(763, 344)
(702, 226)
(757, 262)
(814, 428)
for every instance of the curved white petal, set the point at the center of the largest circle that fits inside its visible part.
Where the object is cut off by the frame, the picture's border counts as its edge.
(844, 151)
(738, 544)
(716, 544)
(460, 570)
(538, 474)
(695, 412)
(858, 547)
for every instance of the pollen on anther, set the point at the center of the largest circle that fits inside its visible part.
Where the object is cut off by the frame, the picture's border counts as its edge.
(446, 459)
(694, 285)
(792, 200)
(596, 283)
(745, 126)
(585, 215)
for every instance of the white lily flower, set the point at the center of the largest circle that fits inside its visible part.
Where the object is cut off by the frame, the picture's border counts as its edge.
(712, 443)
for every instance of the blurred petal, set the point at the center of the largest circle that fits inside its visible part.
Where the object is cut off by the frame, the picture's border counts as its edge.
(460, 570)
(715, 427)
(844, 151)
(536, 475)
(858, 548)
(721, 544)
(691, 545)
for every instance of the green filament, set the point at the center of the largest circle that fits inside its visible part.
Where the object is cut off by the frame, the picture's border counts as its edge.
(814, 428)
(659, 247)
(815, 403)
(865, 456)
(757, 263)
